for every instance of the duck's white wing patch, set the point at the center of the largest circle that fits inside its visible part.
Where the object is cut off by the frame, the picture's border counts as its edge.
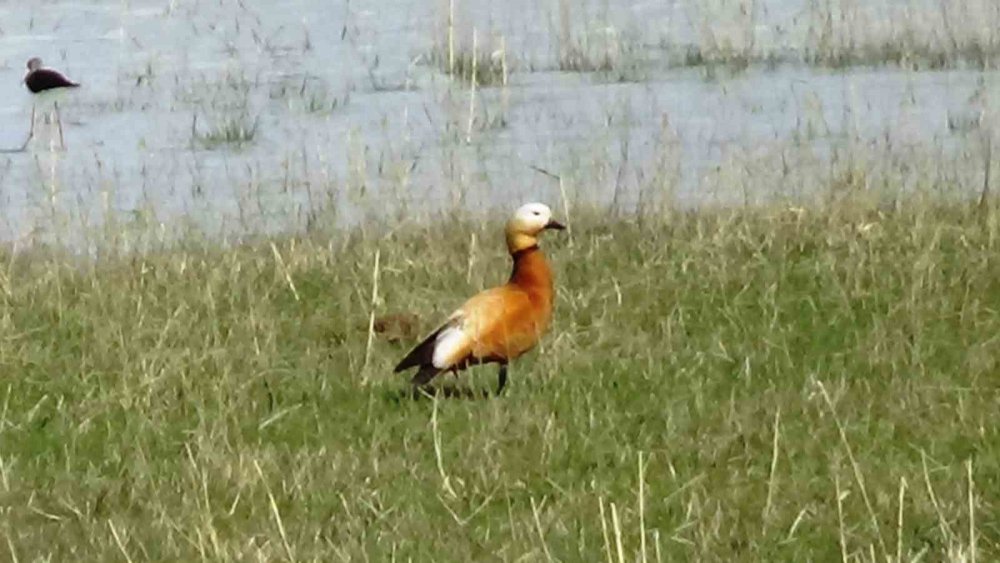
(449, 344)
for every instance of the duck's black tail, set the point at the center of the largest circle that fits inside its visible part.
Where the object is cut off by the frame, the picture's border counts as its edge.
(422, 354)
(425, 375)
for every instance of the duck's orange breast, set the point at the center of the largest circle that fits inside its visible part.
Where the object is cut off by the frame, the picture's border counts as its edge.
(502, 323)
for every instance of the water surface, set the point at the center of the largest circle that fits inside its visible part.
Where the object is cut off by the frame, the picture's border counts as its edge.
(350, 115)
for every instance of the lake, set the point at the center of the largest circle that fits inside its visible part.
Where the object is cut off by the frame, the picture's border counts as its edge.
(237, 118)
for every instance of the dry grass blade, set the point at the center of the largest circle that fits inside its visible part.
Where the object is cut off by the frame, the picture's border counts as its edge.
(371, 314)
(772, 472)
(604, 532)
(284, 271)
(972, 512)
(642, 509)
(119, 542)
(616, 525)
(541, 533)
(275, 513)
(899, 520)
(858, 475)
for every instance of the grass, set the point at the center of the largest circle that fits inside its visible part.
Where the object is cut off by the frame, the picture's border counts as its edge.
(475, 61)
(617, 63)
(487, 68)
(484, 67)
(599, 49)
(229, 130)
(757, 383)
(754, 384)
(842, 34)
(308, 95)
(735, 35)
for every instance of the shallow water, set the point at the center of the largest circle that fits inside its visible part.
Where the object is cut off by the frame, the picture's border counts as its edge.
(351, 117)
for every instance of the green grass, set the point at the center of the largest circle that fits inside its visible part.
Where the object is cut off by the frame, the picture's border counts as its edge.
(840, 34)
(617, 64)
(308, 95)
(910, 51)
(216, 403)
(230, 131)
(487, 68)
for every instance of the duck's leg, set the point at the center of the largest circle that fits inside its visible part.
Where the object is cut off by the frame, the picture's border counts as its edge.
(31, 130)
(62, 143)
(501, 378)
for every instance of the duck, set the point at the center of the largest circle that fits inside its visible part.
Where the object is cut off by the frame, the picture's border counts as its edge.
(500, 324)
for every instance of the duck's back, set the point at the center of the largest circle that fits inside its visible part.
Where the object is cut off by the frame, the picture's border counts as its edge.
(46, 79)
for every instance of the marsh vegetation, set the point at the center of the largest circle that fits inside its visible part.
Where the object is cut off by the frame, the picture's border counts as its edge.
(776, 304)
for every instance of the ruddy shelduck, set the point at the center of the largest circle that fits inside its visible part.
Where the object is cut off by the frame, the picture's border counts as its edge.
(499, 324)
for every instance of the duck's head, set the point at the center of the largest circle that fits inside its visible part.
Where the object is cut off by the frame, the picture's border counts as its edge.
(34, 63)
(527, 223)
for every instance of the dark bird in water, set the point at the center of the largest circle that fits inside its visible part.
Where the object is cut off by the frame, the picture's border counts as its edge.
(39, 80)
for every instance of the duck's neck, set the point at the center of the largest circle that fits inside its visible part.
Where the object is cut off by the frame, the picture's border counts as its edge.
(532, 273)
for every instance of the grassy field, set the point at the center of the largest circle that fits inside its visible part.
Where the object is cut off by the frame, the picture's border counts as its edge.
(751, 384)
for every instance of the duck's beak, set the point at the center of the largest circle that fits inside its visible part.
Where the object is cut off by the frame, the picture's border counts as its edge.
(553, 224)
